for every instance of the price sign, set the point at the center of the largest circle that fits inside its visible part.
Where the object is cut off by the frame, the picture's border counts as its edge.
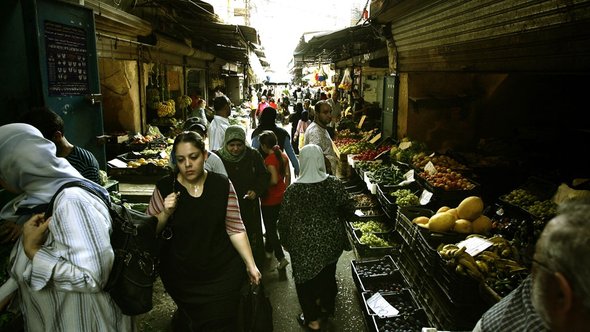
(425, 197)
(375, 139)
(475, 245)
(361, 122)
(404, 145)
(429, 168)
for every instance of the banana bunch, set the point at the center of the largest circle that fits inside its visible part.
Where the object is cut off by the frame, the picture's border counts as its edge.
(462, 262)
(184, 101)
(166, 108)
(498, 261)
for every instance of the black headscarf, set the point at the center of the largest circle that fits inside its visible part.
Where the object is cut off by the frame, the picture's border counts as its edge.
(267, 121)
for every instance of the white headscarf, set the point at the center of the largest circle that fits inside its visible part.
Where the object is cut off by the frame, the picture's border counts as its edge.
(313, 167)
(28, 164)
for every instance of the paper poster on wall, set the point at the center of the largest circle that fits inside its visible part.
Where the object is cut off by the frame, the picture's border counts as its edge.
(67, 60)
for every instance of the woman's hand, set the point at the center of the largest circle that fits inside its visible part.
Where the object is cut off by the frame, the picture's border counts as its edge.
(34, 234)
(170, 203)
(251, 195)
(254, 274)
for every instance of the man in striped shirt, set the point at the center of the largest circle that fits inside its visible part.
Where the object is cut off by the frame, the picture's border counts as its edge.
(51, 125)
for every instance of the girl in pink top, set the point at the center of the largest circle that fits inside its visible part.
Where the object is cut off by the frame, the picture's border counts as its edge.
(302, 125)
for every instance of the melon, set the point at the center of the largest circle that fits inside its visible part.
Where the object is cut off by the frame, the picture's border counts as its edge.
(463, 226)
(482, 225)
(443, 209)
(453, 212)
(441, 222)
(470, 208)
(421, 220)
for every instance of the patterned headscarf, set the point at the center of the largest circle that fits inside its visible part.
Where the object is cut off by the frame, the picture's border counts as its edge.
(313, 167)
(233, 133)
(28, 164)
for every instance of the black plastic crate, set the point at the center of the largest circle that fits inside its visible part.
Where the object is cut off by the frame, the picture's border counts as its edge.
(449, 197)
(459, 289)
(366, 250)
(390, 283)
(404, 226)
(401, 300)
(411, 322)
(426, 244)
(380, 267)
(410, 270)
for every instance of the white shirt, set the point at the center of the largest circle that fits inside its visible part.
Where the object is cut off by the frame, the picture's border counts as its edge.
(314, 134)
(216, 132)
(215, 164)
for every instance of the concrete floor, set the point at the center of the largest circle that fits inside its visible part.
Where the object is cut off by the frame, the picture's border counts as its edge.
(281, 290)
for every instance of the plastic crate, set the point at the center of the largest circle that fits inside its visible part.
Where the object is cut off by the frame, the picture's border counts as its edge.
(390, 283)
(404, 226)
(387, 201)
(411, 322)
(368, 251)
(459, 289)
(358, 266)
(401, 300)
(449, 197)
(410, 269)
(426, 244)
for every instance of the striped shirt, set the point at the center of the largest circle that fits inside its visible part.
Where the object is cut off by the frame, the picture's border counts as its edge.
(85, 163)
(515, 312)
(61, 288)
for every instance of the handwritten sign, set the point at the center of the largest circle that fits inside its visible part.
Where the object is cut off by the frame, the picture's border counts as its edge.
(375, 139)
(362, 121)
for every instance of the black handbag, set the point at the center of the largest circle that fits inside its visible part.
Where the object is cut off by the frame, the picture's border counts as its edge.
(255, 310)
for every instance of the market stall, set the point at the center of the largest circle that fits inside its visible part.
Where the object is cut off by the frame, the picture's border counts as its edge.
(428, 241)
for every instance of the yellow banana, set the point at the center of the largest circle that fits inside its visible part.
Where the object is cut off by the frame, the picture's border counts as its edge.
(482, 266)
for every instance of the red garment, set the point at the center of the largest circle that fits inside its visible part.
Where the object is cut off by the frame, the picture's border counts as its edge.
(261, 107)
(273, 105)
(274, 194)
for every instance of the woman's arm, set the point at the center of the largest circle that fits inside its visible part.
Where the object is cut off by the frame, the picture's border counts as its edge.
(162, 208)
(291, 154)
(242, 245)
(238, 236)
(76, 253)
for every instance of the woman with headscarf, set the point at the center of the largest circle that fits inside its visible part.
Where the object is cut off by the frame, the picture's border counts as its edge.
(311, 228)
(246, 170)
(268, 121)
(60, 265)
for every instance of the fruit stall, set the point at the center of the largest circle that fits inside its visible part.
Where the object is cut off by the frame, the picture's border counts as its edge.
(430, 239)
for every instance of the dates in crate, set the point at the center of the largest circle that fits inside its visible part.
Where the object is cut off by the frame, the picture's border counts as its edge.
(401, 323)
(365, 270)
(398, 300)
(383, 286)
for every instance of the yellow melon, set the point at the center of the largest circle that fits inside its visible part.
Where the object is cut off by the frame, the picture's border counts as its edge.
(421, 220)
(441, 222)
(443, 209)
(470, 208)
(482, 225)
(463, 226)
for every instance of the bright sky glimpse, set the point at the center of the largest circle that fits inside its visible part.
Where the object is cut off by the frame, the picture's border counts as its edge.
(280, 23)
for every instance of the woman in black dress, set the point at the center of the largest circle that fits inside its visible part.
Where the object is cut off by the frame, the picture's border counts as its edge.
(205, 256)
(246, 170)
